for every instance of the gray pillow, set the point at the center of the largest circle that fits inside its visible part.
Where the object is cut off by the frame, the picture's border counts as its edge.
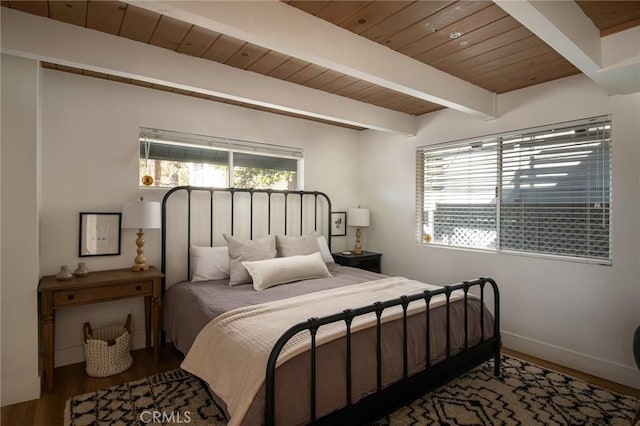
(296, 246)
(241, 250)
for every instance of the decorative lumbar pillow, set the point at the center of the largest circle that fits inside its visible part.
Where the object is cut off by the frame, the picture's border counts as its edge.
(282, 270)
(294, 246)
(324, 249)
(241, 250)
(209, 263)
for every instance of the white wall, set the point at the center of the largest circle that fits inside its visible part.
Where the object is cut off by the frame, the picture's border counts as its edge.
(20, 199)
(90, 163)
(572, 313)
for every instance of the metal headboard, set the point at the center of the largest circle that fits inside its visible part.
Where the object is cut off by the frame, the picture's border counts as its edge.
(251, 192)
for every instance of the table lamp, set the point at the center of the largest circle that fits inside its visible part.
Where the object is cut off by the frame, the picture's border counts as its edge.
(141, 215)
(360, 219)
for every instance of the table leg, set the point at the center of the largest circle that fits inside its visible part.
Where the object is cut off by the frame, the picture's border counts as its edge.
(147, 321)
(48, 335)
(156, 328)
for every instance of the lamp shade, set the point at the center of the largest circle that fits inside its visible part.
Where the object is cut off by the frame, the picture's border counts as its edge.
(358, 217)
(141, 215)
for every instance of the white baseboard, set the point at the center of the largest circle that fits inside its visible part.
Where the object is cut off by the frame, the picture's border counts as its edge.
(75, 354)
(623, 374)
(20, 390)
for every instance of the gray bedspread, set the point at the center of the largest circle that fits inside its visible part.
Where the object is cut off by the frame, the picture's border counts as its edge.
(188, 307)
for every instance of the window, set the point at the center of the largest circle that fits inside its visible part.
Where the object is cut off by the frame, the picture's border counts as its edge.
(543, 190)
(174, 158)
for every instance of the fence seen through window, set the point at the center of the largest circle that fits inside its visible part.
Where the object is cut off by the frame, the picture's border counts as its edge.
(544, 190)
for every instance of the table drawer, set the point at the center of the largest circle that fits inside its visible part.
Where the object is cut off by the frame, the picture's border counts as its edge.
(101, 294)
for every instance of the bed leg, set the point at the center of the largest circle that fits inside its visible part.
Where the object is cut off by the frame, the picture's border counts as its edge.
(496, 365)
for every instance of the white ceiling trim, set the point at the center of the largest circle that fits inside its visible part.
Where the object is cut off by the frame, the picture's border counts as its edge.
(565, 27)
(290, 31)
(50, 40)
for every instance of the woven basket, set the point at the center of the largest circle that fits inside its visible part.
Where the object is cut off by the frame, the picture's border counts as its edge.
(107, 349)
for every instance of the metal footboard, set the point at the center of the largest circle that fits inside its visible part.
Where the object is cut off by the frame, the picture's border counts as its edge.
(409, 387)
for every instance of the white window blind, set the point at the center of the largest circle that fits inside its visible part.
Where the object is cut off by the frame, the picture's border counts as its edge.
(458, 194)
(545, 190)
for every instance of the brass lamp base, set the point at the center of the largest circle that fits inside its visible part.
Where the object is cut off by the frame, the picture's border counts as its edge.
(358, 248)
(140, 262)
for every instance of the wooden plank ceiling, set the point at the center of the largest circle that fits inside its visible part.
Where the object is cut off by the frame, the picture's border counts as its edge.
(473, 40)
(611, 16)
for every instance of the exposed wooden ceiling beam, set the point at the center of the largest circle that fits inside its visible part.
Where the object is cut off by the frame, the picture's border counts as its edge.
(288, 30)
(612, 62)
(53, 41)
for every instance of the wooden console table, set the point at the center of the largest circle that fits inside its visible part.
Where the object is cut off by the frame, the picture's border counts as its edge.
(97, 287)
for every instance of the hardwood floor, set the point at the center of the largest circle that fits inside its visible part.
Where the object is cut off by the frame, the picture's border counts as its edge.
(72, 380)
(615, 387)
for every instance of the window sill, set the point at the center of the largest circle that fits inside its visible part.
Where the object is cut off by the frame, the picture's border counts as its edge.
(600, 262)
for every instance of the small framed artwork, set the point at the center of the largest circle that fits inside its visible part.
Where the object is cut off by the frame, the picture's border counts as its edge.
(99, 234)
(338, 224)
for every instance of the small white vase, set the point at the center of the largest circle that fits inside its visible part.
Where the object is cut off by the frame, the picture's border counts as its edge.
(64, 274)
(81, 271)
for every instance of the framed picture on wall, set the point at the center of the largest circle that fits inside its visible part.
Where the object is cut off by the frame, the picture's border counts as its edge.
(338, 224)
(99, 234)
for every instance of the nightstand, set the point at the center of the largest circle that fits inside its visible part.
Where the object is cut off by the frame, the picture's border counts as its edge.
(368, 260)
(100, 286)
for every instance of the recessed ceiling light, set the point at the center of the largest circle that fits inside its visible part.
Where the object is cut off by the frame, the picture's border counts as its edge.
(455, 35)
(463, 43)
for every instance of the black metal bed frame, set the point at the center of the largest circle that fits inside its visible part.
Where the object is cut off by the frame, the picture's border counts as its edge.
(385, 398)
(408, 388)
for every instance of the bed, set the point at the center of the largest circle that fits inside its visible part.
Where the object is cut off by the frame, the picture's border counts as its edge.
(347, 347)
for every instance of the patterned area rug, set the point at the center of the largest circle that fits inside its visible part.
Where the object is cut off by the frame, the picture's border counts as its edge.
(525, 394)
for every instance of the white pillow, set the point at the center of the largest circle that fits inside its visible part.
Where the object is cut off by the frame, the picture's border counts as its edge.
(209, 263)
(281, 270)
(324, 249)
